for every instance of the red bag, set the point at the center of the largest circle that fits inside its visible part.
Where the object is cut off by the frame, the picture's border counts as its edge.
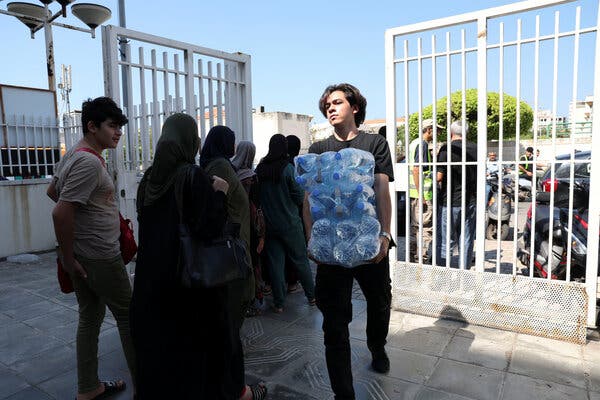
(127, 240)
(64, 280)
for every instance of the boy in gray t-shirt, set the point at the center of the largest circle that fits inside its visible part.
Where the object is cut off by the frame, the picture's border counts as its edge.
(86, 223)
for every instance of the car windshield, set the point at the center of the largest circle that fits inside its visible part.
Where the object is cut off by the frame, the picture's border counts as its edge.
(581, 171)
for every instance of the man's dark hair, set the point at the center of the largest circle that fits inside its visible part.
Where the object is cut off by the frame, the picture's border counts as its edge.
(529, 149)
(99, 110)
(353, 96)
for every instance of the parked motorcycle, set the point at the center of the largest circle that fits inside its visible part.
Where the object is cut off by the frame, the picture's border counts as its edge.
(524, 189)
(556, 258)
(497, 201)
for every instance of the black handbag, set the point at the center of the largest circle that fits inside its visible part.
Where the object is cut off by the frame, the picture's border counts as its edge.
(212, 263)
(209, 263)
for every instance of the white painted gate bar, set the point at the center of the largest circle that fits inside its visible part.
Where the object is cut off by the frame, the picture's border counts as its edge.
(509, 300)
(211, 85)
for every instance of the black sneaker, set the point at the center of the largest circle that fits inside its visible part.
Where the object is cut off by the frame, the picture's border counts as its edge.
(381, 362)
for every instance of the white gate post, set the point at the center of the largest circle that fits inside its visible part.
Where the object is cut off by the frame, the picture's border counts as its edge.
(591, 273)
(390, 122)
(110, 54)
(246, 97)
(481, 139)
(190, 100)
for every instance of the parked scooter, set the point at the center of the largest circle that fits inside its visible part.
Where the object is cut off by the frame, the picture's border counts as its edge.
(556, 259)
(497, 202)
(524, 189)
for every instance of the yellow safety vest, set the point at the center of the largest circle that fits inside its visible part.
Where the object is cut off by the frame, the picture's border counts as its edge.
(426, 176)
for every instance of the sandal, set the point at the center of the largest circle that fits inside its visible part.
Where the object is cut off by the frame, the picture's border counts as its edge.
(259, 391)
(294, 288)
(267, 290)
(110, 388)
(252, 311)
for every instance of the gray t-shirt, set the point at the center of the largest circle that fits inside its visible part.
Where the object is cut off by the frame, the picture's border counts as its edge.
(81, 178)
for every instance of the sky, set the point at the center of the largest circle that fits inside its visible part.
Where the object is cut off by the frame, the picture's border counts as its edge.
(297, 48)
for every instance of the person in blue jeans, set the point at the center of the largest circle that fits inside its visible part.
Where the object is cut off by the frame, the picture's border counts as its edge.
(451, 212)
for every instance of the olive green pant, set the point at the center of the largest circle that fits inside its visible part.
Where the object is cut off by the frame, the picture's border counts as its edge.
(107, 284)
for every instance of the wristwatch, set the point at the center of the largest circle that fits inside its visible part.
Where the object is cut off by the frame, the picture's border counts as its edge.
(386, 235)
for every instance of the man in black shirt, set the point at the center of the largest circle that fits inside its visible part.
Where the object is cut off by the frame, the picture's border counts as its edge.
(344, 107)
(453, 216)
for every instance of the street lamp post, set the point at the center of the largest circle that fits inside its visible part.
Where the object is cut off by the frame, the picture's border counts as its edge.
(36, 17)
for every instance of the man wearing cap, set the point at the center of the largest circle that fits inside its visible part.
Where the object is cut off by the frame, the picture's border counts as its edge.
(421, 193)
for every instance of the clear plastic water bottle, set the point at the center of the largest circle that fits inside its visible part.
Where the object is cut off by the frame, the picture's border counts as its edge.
(363, 208)
(341, 210)
(322, 228)
(369, 226)
(317, 212)
(346, 231)
(329, 159)
(350, 158)
(344, 254)
(321, 248)
(367, 247)
(366, 191)
(306, 163)
(322, 196)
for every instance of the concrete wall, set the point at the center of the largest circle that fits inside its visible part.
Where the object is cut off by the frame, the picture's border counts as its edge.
(25, 214)
(547, 149)
(267, 124)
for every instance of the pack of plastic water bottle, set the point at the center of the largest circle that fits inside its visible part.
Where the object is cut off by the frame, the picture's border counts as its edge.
(345, 228)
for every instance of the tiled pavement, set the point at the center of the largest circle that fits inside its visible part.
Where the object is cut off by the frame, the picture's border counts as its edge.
(430, 359)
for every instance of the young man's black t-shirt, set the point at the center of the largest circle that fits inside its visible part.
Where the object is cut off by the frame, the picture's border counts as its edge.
(456, 189)
(374, 144)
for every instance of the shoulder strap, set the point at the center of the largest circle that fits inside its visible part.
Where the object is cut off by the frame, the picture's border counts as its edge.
(88, 150)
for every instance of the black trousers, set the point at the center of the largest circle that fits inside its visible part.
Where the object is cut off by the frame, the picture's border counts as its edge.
(333, 292)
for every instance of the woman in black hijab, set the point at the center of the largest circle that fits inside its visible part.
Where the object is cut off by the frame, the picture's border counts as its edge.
(219, 147)
(280, 197)
(179, 335)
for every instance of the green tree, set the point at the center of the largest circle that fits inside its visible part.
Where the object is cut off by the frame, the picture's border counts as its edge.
(509, 115)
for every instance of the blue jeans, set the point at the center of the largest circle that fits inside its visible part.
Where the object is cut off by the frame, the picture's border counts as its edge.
(455, 233)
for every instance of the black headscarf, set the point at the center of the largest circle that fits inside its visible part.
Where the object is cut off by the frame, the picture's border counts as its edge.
(293, 146)
(271, 166)
(219, 143)
(175, 155)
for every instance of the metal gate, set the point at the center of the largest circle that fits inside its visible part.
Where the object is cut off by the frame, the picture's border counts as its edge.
(542, 52)
(161, 77)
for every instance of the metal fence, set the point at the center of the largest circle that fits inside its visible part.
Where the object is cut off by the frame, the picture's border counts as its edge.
(519, 52)
(153, 77)
(29, 147)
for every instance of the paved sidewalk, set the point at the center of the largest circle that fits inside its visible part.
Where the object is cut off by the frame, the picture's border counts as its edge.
(430, 359)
